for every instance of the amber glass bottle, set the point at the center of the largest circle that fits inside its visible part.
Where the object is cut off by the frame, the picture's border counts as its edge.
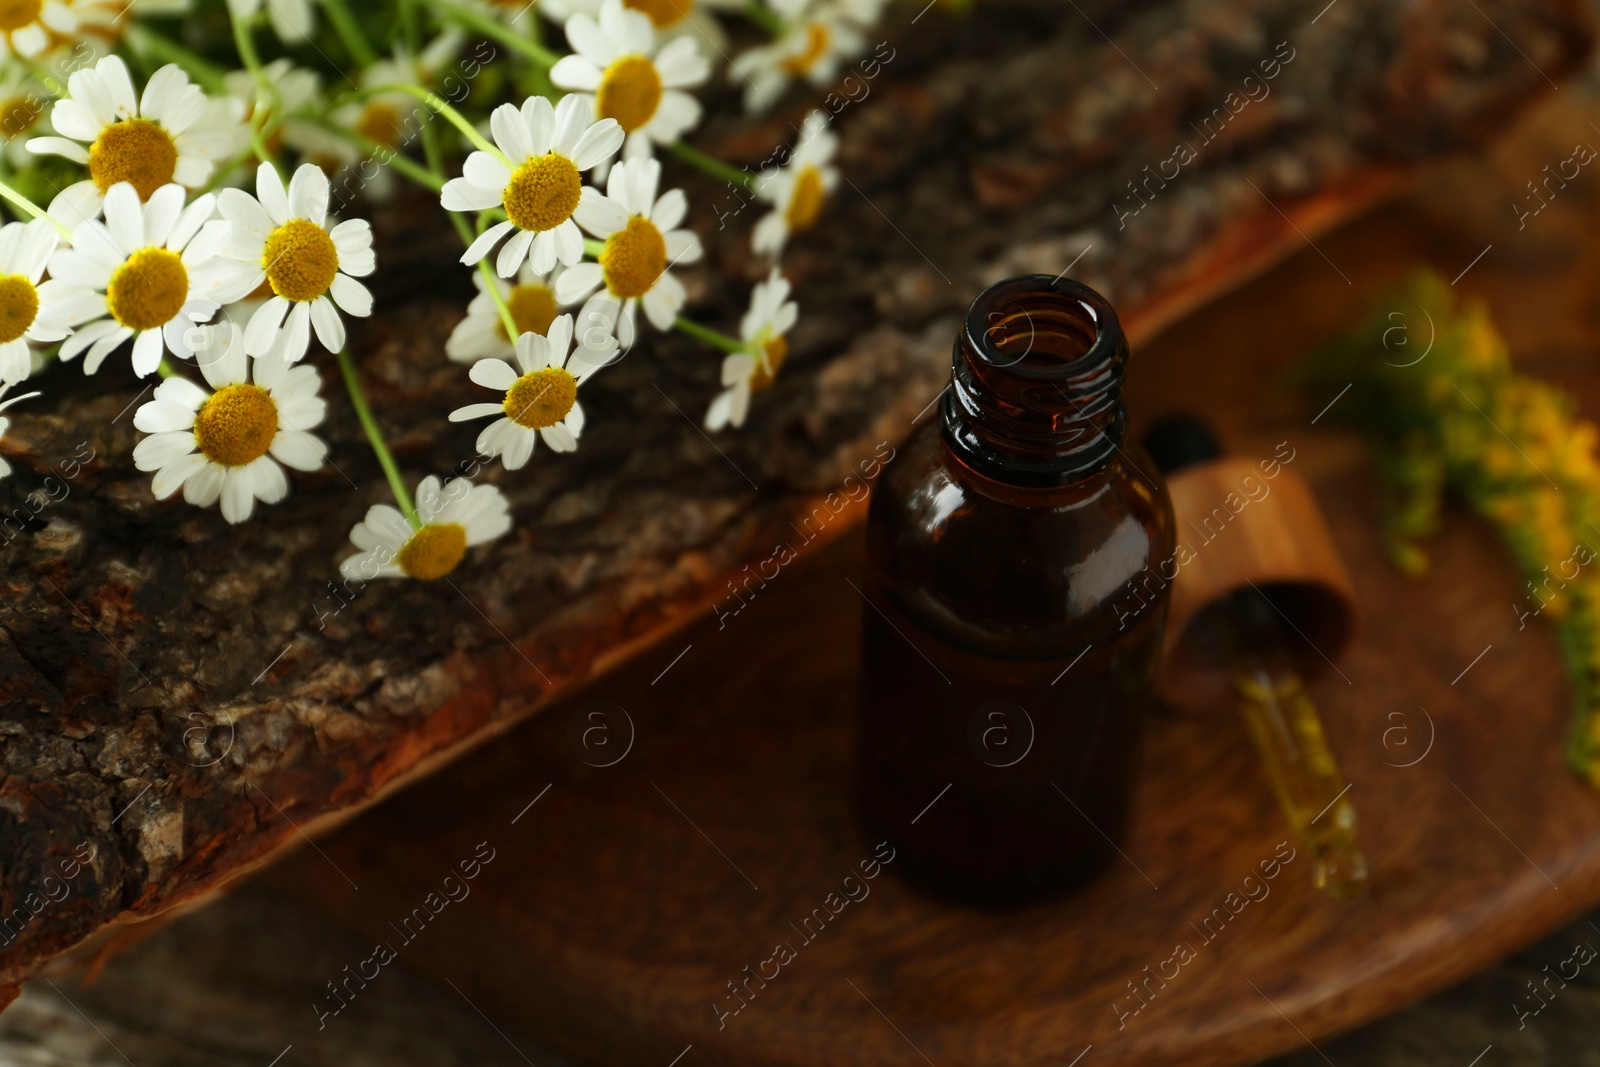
(1015, 605)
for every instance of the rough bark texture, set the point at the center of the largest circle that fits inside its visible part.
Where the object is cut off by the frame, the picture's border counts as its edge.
(177, 696)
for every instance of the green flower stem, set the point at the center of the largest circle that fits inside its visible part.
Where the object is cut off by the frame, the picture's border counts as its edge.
(430, 153)
(246, 46)
(409, 167)
(22, 203)
(713, 166)
(380, 448)
(496, 31)
(440, 107)
(711, 337)
(251, 59)
(165, 368)
(593, 246)
(493, 289)
(762, 16)
(349, 31)
(408, 26)
(143, 39)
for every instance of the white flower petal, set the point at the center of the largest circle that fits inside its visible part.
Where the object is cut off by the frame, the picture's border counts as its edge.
(352, 297)
(476, 411)
(162, 416)
(460, 194)
(160, 449)
(308, 193)
(512, 253)
(204, 485)
(238, 494)
(486, 172)
(577, 73)
(245, 212)
(124, 217)
(302, 451)
(598, 213)
(172, 475)
(296, 333)
(486, 240)
(669, 210)
(262, 330)
(329, 327)
(511, 134)
(493, 374)
(274, 198)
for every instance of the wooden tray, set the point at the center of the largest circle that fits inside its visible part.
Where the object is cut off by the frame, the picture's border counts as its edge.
(626, 897)
(621, 903)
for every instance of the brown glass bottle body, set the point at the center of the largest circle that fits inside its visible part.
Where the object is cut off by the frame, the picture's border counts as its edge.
(1015, 609)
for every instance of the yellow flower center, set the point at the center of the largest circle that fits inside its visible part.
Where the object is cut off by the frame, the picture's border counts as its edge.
(543, 192)
(533, 309)
(541, 398)
(380, 122)
(433, 551)
(19, 304)
(630, 92)
(805, 201)
(133, 150)
(633, 258)
(776, 350)
(17, 115)
(15, 14)
(300, 260)
(148, 289)
(662, 12)
(236, 425)
(816, 44)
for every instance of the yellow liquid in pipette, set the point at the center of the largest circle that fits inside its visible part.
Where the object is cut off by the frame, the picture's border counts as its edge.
(1283, 722)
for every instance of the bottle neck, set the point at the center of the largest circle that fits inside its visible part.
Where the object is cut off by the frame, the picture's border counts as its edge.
(1035, 395)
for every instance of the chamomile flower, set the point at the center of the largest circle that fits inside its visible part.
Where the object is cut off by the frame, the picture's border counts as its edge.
(819, 36)
(541, 394)
(171, 133)
(798, 190)
(292, 20)
(621, 74)
(25, 249)
(5, 422)
(533, 307)
(771, 315)
(132, 275)
(29, 27)
(634, 266)
(282, 237)
(454, 517)
(539, 183)
(232, 442)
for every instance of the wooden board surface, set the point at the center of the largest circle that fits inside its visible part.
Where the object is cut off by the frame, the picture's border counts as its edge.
(626, 897)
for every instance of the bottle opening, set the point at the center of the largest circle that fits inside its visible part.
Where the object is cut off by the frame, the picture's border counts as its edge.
(1036, 382)
(1041, 327)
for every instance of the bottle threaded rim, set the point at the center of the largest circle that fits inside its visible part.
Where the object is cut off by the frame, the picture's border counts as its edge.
(1036, 382)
